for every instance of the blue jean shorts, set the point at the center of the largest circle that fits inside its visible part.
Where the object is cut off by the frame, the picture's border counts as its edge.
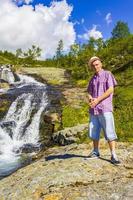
(103, 121)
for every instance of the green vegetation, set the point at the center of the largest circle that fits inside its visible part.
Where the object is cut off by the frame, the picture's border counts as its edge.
(7, 57)
(83, 137)
(45, 73)
(20, 58)
(4, 105)
(121, 30)
(72, 116)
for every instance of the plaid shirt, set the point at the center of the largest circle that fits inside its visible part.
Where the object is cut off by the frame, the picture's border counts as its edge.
(98, 85)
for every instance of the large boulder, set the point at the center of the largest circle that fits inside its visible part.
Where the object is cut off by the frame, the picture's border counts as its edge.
(69, 135)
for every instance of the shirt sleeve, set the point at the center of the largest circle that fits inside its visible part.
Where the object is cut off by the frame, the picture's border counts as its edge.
(89, 88)
(111, 82)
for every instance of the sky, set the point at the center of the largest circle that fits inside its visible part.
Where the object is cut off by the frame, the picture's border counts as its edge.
(45, 22)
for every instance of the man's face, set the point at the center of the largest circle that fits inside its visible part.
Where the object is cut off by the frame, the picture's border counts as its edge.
(96, 66)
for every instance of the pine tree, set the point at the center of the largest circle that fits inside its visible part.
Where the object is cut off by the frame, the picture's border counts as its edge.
(121, 30)
(59, 50)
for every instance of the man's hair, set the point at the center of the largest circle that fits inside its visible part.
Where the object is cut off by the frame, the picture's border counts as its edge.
(92, 59)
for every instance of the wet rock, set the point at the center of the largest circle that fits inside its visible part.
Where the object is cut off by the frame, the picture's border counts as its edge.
(28, 148)
(7, 74)
(4, 86)
(9, 123)
(52, 117)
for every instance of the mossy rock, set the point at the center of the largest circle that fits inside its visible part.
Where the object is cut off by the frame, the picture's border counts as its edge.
(4, 106)
(4, 86)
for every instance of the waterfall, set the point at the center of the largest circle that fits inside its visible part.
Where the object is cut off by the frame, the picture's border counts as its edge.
(6, 74)
(20, 126)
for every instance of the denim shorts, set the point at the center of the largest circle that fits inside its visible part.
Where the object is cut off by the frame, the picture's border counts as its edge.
(103, 121)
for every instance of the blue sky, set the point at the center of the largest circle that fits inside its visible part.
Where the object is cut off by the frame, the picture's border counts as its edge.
(45, 22)
(95, 11)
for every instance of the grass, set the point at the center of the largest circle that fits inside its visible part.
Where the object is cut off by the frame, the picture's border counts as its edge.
(72, 116)
(123, 103)
(82, 83)
(54, 76)
(83, 138)
(123, 108)
(4, 60)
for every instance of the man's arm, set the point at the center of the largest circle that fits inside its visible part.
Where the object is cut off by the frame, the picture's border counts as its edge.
(95, 101)
(106, 94)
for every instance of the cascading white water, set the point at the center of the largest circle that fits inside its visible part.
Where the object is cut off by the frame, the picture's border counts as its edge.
(23, 117)
(6, 74)
(33, 128)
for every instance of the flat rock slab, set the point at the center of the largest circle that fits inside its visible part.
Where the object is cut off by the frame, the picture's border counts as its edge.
(66, 173)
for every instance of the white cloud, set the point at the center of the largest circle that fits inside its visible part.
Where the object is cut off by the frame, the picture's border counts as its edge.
(76, 22)
(79, 22)
(108, 18)
(94, 33)
(21, 27)
(22, 1)
(28, 1)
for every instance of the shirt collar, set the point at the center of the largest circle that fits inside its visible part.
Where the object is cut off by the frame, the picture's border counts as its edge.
(100, 73)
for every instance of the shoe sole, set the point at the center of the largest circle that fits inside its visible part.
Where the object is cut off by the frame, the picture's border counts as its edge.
(93, 157)
(115, 163)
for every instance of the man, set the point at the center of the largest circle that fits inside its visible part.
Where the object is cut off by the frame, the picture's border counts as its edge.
(100, 94)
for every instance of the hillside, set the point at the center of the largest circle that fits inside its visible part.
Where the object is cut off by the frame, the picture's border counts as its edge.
(73, 95)
(7, 58)
(75, 109)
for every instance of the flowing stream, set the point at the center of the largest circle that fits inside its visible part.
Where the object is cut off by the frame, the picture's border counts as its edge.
(20, 126)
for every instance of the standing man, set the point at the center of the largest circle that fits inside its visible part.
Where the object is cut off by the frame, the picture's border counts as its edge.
(100, 95)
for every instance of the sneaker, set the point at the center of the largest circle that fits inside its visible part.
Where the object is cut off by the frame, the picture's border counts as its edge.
(115, 161)
(93, 154)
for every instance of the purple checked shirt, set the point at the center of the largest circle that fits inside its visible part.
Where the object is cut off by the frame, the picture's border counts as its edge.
(98, 84)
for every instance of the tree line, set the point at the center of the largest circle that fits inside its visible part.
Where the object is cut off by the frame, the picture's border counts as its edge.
(116, 53)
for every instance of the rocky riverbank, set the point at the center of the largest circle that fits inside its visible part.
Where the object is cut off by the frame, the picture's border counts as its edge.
(65, 173)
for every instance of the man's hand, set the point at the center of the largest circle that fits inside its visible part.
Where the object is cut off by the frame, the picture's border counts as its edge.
(93, 102)
(89, 99)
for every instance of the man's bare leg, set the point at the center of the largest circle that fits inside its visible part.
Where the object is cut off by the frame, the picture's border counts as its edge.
(114, 158)
(112, 147)
(96, 145)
